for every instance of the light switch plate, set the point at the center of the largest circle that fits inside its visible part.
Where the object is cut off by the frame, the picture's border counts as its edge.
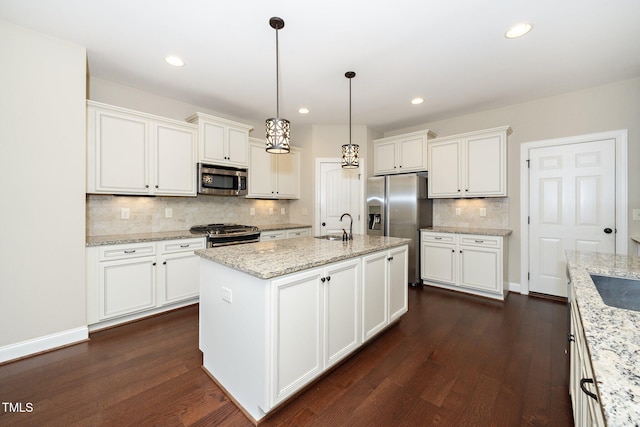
(636, 214)
(252, 211)
(483, 211)
(124, 213)
(168, 212)
(458, 211)
(283, 211)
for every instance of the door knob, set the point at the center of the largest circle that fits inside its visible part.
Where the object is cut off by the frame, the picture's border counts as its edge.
(608, 230)
(324, 223)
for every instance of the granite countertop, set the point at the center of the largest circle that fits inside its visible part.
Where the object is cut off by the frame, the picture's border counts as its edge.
(612, 335)
(116, 239)
(270, 259)
(636, 239)
(468, 230)
(273, 227)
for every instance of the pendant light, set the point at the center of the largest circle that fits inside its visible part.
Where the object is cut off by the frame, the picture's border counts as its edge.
(350, 158)
(277, 129)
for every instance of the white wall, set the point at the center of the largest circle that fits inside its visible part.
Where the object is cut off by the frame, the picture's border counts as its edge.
(603, 108)
(42, 182)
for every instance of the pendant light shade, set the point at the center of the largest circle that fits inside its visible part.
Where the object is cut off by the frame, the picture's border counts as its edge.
(277, 129)
(350, 152)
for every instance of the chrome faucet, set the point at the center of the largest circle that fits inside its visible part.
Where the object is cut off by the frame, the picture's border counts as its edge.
(350, 237)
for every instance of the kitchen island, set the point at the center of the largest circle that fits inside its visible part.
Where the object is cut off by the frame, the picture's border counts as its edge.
(275, 316)
(612, 337)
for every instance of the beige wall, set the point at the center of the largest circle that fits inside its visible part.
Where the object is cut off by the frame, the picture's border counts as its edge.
(603, 108)
(42, 175)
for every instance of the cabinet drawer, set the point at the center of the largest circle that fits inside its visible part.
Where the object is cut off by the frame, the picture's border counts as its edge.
(272, 235)
(298, 232)
(131, 250)
(439, 237)
(483, 241)
(182, 245)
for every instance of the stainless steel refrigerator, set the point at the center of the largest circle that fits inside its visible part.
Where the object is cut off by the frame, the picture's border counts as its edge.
(397, 206)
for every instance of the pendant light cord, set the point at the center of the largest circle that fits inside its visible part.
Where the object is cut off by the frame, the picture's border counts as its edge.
(349, 113)
(277, 77)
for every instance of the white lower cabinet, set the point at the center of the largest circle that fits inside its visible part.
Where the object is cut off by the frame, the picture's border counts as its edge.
(384, 289)
(469, 263)
(584, 395)
(284, 234)
(133, 280)
(315, 324)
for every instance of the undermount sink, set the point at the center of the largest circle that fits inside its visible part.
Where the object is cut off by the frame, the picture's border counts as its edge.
(330, 237)
(618, 292)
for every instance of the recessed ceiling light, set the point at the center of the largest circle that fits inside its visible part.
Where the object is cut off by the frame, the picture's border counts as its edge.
(416, 101)
(303, 110)
(518, 30)
(174, 60)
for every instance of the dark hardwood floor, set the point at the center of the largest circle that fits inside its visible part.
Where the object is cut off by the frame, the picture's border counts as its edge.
(453, 360)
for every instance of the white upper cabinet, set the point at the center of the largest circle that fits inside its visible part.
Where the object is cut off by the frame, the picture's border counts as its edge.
(402, 153)
(136, 153)
(273, 176)
(469, 165)
(222, 142)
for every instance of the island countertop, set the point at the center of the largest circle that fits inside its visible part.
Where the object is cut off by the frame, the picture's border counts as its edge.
(612, 335)
(270, 259)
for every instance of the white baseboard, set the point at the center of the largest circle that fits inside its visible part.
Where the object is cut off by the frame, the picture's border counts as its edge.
(514, 287)
(45, 343)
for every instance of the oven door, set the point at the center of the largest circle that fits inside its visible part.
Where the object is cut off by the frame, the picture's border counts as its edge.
(232, 239)
(221, 181)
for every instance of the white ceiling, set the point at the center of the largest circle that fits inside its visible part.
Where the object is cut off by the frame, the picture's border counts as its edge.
(452, 53)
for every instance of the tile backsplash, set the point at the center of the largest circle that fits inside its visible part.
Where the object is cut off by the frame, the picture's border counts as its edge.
(148, 214)
(497, 212)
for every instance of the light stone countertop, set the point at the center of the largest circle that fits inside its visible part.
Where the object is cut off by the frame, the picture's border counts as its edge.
(612, 335)
(266, 260)
(469, 230)
(117, 239)
(273, 227)
(636, 239)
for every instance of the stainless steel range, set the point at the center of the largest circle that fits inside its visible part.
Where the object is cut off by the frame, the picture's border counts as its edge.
(227, 234)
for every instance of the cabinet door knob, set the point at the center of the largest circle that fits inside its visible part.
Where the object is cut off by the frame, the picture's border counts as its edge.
(156, 186)
(390, 258)
(453, 250)
(154, 263)
(164, 263)
(328, 278)
(571, 337)
(324, 223)
(608, 230)
(322, 279)
(458, 190)
(460, 251)
(146, 186)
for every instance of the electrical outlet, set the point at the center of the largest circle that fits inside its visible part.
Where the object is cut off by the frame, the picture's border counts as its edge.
(304, 211)
(226, 294)
(283, 211)
(124, 213)
(270, 211)
(483, 212)
(458, 211)
(252, 211)
(636, 214)
(168, 212)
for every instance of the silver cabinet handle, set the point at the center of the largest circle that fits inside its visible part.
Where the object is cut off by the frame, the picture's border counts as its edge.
(438, 238)
(479, 241)
(133, 251)
(185, 246)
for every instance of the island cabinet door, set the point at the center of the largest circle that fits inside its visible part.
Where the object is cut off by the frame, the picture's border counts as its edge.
(341, 307)
(398, 282)
(297, 332)
(374, 294)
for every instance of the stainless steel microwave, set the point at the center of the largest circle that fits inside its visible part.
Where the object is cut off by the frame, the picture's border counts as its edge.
(221, 180)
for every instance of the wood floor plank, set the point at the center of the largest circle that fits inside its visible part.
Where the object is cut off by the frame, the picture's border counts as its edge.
(452, 360)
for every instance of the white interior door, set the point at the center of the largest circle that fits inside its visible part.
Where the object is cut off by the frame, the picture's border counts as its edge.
(339, 193)
(572, 195)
